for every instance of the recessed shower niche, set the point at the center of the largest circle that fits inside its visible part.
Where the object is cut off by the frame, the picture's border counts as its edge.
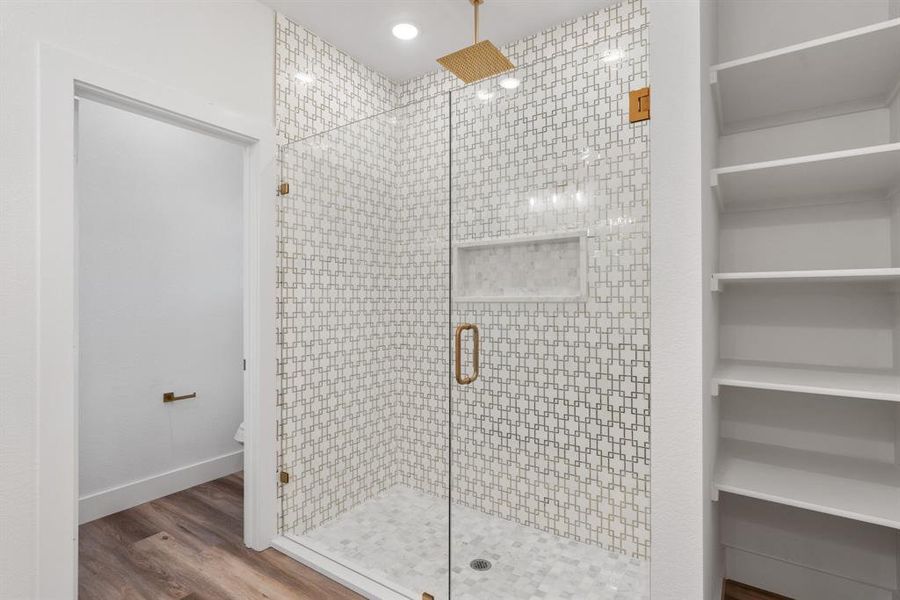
(536, 268)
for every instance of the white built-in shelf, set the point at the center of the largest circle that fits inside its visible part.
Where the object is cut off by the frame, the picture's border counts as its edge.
(847, 72)
(861, 173)
(883, 275)
(846, 487)
(803, 379)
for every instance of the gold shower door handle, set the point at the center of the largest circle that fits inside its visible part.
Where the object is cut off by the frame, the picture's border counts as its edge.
(476, 348)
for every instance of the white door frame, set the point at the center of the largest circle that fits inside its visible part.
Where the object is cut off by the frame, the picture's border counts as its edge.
(62, 77)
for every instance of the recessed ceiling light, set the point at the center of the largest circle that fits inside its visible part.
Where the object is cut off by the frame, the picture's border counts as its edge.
(612, 55)
(510, 83)
(304, 77)
(405, 31)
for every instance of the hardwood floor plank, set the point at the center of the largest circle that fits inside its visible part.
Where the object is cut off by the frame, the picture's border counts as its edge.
(734, 590)
(107, 570)
(189, 546)
(200, 574)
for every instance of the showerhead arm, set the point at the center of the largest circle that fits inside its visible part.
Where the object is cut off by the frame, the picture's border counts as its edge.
(476, 4)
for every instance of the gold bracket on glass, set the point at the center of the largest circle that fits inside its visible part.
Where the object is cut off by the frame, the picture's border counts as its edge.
(171, 397)
(460, 378)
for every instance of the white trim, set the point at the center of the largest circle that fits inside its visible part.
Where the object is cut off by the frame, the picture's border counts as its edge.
(880, 274)
(804, 379)
(61, 75)
(121, 497)
(678, 553)
(802, 160)
(357, 580)
(822, 41)
(811, 572)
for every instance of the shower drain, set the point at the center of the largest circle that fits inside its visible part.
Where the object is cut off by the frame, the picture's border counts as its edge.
(480, 564)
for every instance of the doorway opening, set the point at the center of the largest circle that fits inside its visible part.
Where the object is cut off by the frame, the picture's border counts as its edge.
(160, 298)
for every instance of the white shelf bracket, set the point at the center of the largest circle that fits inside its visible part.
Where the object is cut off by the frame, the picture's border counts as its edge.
(717, 99)
(714, 186)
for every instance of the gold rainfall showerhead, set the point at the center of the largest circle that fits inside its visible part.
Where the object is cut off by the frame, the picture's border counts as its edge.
(478, 61)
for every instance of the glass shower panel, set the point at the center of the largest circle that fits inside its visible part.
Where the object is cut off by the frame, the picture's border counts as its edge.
(550, 242)
(364, 368)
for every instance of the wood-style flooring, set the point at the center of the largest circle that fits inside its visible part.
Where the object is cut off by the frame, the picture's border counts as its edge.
(741, 591)
(189, 546)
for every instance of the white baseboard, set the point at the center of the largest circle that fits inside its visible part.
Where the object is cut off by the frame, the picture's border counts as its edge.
(799, 581)
(112, 500)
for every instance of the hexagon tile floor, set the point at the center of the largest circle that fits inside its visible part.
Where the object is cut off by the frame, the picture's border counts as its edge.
(400, 537)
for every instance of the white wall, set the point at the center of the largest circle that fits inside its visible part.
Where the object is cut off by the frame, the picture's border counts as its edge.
(222, 52)
(159, 268)
(712, 555)
(679, 82)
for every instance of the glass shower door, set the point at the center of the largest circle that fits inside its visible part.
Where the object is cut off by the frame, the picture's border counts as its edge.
(550, 249)
(484, 435)
(364, 368)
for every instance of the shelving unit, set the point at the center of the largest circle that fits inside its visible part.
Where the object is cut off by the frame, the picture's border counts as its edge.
(807, 466)
(807, 380)
(880, 275)
(861, 172)
(847, 72)
(855, 489)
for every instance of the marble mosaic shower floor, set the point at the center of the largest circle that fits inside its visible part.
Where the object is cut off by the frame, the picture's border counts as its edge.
(400, 537)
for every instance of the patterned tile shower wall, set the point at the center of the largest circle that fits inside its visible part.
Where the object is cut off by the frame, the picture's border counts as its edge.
(336, 266)
(338, 309)
(424, 294)
(555, 435)
(318, 87)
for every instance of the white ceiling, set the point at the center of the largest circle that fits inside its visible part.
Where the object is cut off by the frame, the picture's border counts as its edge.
(362, 28)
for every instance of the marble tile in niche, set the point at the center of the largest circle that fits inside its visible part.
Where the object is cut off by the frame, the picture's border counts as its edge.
(535, 268)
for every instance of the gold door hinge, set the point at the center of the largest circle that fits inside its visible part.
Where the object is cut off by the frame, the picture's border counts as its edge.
(284, 189)
(283, 477)
(639, 105)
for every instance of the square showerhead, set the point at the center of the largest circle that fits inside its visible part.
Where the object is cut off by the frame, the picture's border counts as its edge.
(478, 61)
